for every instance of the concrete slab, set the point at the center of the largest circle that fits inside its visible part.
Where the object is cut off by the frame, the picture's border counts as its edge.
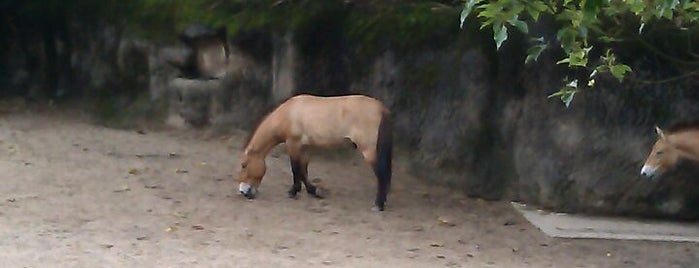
(580, 226)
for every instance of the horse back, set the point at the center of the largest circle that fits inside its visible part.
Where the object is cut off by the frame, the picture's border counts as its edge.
(330, 120)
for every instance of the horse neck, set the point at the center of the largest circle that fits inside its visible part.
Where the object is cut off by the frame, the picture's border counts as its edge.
(264, 138)
(687, 143)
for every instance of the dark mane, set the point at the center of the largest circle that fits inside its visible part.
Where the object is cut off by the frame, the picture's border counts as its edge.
(252, 132)
(683, 126)
(268, 111)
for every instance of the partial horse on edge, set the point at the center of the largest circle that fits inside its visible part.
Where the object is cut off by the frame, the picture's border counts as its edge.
(312, 121)
(680, 142)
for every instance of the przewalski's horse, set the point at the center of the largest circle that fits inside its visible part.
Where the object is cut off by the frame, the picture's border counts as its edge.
(679, 142)
(305, 121)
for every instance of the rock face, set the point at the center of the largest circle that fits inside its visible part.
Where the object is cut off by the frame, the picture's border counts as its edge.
(588, 157)
(214, 78)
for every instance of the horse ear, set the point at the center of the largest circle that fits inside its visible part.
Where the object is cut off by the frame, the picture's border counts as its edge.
(659, 132)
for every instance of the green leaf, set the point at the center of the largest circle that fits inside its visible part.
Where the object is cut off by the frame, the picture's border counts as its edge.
(535, 8)
(499, 34)
(619, 71)
(468, 7)
(566, 93)
(590, 8)
(534, 51)
(522, 26)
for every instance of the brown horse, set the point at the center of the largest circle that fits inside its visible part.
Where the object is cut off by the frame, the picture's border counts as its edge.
(680, 142)
(305, 121)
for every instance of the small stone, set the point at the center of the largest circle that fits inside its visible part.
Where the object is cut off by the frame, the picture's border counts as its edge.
(327, 262)
(440, 257)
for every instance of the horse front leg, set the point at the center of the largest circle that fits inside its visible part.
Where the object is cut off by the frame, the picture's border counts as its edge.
(294, 152)
(310, 188)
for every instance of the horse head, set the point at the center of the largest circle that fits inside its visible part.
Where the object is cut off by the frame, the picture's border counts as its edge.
(252, 169)
(662, 157)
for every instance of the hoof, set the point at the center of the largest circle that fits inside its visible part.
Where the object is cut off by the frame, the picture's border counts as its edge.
(377, 208)
(318, 193)
(292, 195)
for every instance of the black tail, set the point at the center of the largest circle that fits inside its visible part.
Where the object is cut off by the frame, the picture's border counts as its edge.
(384, 154)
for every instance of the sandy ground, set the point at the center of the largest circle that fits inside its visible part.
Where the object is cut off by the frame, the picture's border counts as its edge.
(75, 194)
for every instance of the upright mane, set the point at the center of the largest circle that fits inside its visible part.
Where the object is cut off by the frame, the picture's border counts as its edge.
(259, 122)
(257, 125)
(683, 126)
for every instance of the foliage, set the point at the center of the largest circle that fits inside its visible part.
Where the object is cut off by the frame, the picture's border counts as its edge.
(586, 26)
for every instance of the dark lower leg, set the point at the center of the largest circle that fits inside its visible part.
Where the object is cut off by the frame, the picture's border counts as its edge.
(310, 188)
(296, 170)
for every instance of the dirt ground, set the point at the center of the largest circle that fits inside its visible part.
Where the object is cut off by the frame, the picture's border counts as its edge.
(75, 194)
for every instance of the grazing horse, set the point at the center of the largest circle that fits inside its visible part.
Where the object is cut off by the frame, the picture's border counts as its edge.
(680, 142)
(305, 121)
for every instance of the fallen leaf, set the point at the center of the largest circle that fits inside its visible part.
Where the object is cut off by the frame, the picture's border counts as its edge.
(134, 171)
(440, 257)
(509, 222)
(436, 245)
(445, 222)
(180, 215)
(197, 227)
(125, 188)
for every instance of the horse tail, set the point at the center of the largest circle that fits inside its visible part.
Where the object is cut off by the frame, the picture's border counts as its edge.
(384, 152)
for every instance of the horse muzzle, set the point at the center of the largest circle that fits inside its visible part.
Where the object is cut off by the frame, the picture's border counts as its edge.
(247, 190)
(648, 172)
